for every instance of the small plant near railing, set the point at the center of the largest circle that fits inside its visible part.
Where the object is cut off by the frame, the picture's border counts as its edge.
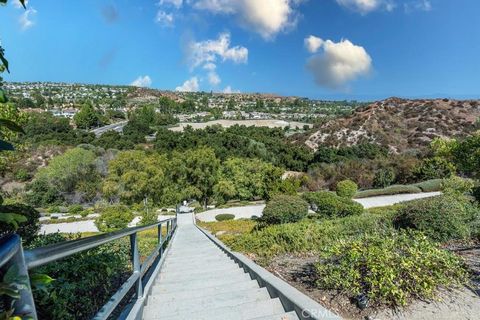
(224, 217)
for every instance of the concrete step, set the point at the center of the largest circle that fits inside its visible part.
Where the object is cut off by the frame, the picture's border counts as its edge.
(222, 269)
(205, 292)
(167, 278)
(183, 258)
(244, 311)
(284, 316)
(199, 264)
(158, 308)
(199, 284)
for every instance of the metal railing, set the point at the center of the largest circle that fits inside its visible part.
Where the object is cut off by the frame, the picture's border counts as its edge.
(11, 253)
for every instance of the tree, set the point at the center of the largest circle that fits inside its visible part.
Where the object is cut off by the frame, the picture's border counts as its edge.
(134, 176)
(87, 117)
(202, 167)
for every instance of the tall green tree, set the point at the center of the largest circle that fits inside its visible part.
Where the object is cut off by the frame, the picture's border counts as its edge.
(202, 167)
(87, 117)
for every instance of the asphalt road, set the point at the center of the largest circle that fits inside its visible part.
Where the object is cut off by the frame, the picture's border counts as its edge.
(115, 126)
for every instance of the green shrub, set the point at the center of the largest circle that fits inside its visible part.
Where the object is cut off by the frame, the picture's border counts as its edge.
(476, 193)
(27, 229)
(22, 175)
(328, 204)
(434, 168)
(392, 190)
(346, 189)
(383, 178)
(224, 217)
(457, 186)
(391, 268)
(284, 209)
(75, 209)
(305, 236)
(83, 282)
(53, 209)
(430, 185)
(114, 218)
(441, 218)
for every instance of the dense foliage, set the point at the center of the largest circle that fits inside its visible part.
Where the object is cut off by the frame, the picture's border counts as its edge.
(224, 217)
(114, 218)
(329, 204)
(84, 282)
(441, 218)
(389, 269)
(346, 189)
(284, 209)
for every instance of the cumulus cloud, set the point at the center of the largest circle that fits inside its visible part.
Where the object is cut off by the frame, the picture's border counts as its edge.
(228, 89)
(142, 81)
(313, 43)
(366, 6)
(191, 85)
(26, 19)
(339, 63)
(214, 78)
(164, 19)
(266, 17)
(209, 51)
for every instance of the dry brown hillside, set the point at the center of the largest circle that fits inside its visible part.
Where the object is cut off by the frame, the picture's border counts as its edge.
(400, 124)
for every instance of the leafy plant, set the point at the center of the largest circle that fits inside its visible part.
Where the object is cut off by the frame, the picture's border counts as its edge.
(388, 269)
(329, 204)
(224, 217)
(114, 218)
(284, 209)
(441, 218)
(346, 189)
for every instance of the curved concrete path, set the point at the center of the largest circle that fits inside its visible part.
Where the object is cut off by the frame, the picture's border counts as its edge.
(198, 281)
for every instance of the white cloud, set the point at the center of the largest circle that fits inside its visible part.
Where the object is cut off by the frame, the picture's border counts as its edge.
(26, 18)
(191, 85)
(210, 66)
(366, 6)
(164, 19)
(228, 89)
(176, 3)
(209, 51)
(266, 17)
(339, 63)
(142, 81)
(214, 78)
(313, 43)
(418, 5)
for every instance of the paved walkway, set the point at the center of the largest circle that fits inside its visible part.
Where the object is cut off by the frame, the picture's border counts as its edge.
(256, 210)
(198, 281)
(382, 201)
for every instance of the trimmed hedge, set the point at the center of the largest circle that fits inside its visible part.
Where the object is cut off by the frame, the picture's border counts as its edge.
(430, 185)
(284, 209)
(392, 190)
(224, 217)
(441, 218)
(329, 204)
(346, 189)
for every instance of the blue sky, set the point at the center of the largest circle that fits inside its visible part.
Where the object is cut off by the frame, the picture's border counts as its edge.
(352, 49)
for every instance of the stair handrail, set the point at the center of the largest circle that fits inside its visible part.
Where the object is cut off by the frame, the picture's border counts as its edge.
(11, 253)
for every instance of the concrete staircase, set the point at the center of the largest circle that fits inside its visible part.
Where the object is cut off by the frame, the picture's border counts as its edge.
(198, 281)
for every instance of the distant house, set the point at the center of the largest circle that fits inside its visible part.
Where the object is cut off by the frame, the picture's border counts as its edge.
(64, 113)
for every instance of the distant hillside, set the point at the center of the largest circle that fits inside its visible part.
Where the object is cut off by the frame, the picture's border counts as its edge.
(399, 124)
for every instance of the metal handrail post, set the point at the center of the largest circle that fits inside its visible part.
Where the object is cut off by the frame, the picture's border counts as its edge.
(160, 244)
(25, 305)
(136, 264)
